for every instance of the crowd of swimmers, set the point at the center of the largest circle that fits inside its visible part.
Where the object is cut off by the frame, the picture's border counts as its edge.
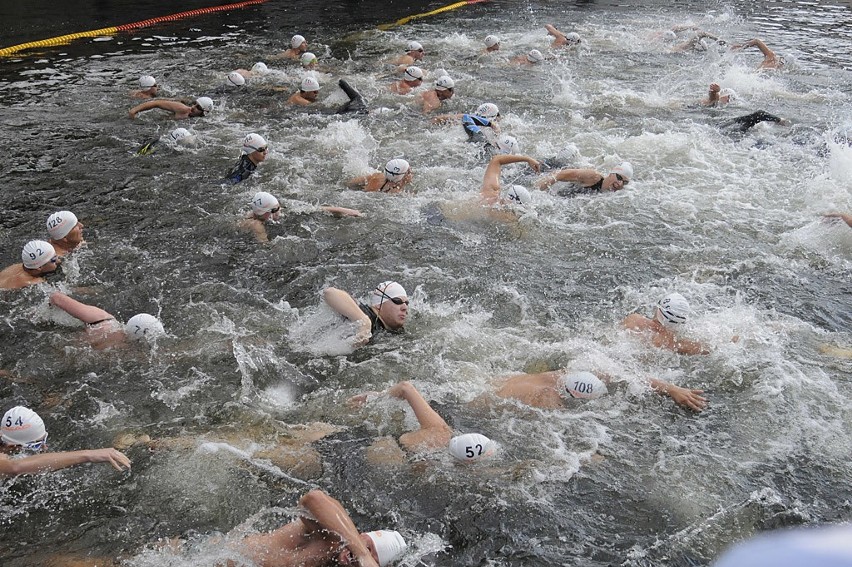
(325, 534)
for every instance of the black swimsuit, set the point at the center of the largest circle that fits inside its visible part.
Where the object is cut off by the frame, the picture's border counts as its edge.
(242, 170)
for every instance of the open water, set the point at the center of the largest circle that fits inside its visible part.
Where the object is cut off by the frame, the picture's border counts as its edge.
(731, 222)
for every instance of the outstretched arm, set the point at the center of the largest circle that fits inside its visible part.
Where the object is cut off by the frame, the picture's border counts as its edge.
(845, 217)
(434, 431)
(49, 462)
(491, 179)
(83, 312)
(341, 211)
(558, 35)
(584, 177)
(172, 106)
(691, 399)
(328, 514)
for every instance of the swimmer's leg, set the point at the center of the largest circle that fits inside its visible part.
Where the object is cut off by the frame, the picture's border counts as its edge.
(356, 103)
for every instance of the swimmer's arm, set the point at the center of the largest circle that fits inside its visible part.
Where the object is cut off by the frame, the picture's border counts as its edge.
(83, 312)
(845, 217)
(342, 303)
(691, 399)
(685, 346)
(444, 118)
(551, 30)
(712, 95)
(341, 211)
(49, 462)
(434, 431)
(491, 179)
(172, 106)
(584, 177)
(358, 182)
(328, 514)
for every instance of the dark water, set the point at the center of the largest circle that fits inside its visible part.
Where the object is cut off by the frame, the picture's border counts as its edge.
(731, 223)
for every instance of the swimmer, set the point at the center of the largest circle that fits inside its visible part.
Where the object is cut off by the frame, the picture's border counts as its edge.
(534, 57)
(431, 100)
(39, 261)
(743, 123)
(397, 175)
(66, 232)
(148, 88)
(23, 430)
(560, 39)
(589, 180)
(669, 314)
(298, 45)
(307, 94)
(102, 328)
(551, 390)
(492, 44)
(413, 53)
(386, 310)
(490, 194)
(180, 111)
(486, 115)
(770, 59)
(308, 61)
(323, 536)
(265, 208)
(234, 82)
(256, 70)
(697, 42)
(411, 79)
(178, 137)
(717, 96)
(253, 152)
(845, 217)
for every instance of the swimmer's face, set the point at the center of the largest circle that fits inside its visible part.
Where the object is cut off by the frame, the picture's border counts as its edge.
(196, 111)
(444, 94)
(153, 90)
(616, 181)
(310, 95)
(50, 266)
(75, 237)
(303, 47)
(495, 47)
(414, 83)
(258, 156)
(417, 54)
(346, 557)
(394, 314)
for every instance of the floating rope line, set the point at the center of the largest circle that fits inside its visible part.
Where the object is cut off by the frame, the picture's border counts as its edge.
(447, 8)
(66, 39)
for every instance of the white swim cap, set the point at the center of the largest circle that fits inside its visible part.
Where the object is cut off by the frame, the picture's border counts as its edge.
(260, 67)
(471, 447)
(670, 35)
(444, 83)
(206, 103)
(37, 253)
(624, 169)
(236, 79)
(144, 326)
(309, 84)
(413, 73)
(508, 144)
(307, 58)
(583, 385)
(730, 93)
(182, 136)
(296, 41)
(568, 153)
(488, 110)
(491, 40)
(386, 290)
(21, 426)
(535, 56)
(414, 46)
(253, 142)
(60, 224)
(263, 203)
(147, 81)
(389, 545)
(396, 169)
(672, 309)
(572, 37)
(517, 195)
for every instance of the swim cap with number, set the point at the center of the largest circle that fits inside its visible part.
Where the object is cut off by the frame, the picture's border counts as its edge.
(572, 37)
(206, 103)
(491, 40)
(444, 83)
(60, 224)
(182, 136)
(488, 110)
(307, 58)
(517, 195)
(21, 426)
(236, 79)
(309, 84)
(263, 203)
(413, 73)
(535, 56)
(471, 447)
(389, 545)
(37, 253)
(730, 93)
(396, 169)
(673, 309)
(584, 385)
(260, 67)
(144, 326)
(296, 41)
(414, 46)
(253, 143)
(624, 169)
(508, 144)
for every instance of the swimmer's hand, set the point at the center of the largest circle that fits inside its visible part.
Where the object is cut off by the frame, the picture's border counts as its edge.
(845, 217)
(112, 456)
(358, 401)
(545, 182)
(691, 399)
(535, 165)
(364, 333)
(400, 390)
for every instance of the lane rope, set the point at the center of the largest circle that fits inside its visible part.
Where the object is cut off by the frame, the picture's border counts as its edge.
(66, 39)
(437, 11)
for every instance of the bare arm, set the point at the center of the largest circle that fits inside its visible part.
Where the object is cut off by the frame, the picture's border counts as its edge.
(83, 312)
(172, 106)
(434, 431)
(551, 30)
(329, 514)
(584, 177)
(491, 179)
(341, 211)
(845, 217)
(49, 462)
(712, 95)
(343, 303)
(691, 399)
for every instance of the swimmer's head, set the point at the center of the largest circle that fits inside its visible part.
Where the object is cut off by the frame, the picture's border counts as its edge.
(535, 56)
(297, 40)
(309, 84)
(492, 42)
(471, 447)
(182, 136)
(39, 255)
(445, 83)
(584, 385)
(22, 426)
(568, 154)
(670, 35)
(488, 110)
(147, 81)
(396, 170)
(59, 224)
(307, 59)
(413, 74)
(573, 38)
(205, 104)
(388, 544)
(236, 79)
(263, 204)
(260, 68)
(621, 175)
(386, 291)
(517, 195)
(507, 144)
(415, 50)
(672, 309)
(254, 143)
(144, 327)
(728, 94)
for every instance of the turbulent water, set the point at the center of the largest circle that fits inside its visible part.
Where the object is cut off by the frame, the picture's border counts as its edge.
(731, 222)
